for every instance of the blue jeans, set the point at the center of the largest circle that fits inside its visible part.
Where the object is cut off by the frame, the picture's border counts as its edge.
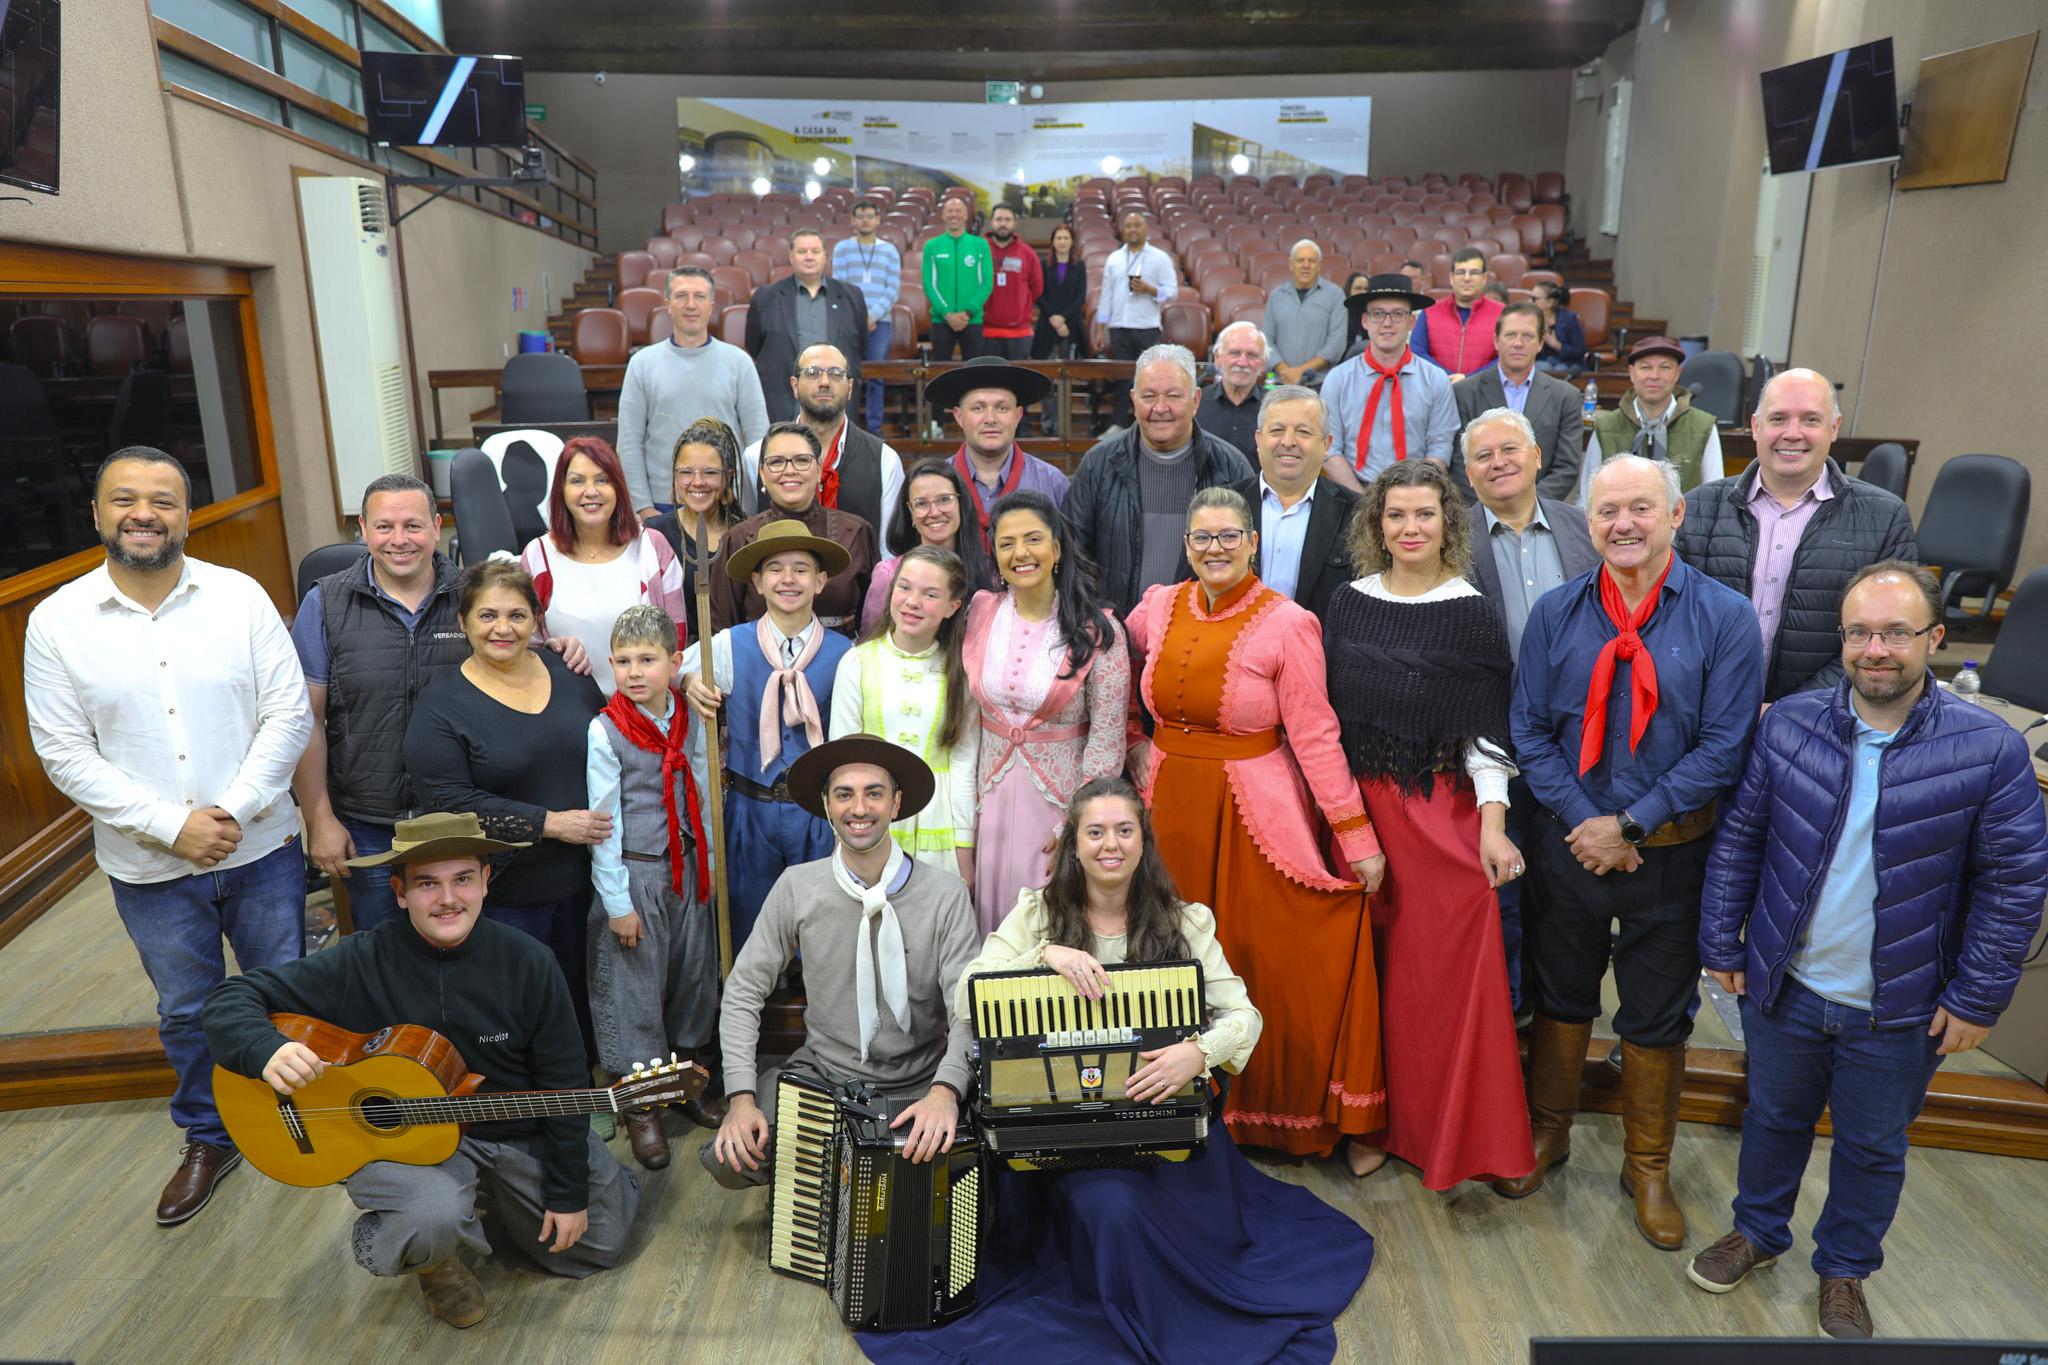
(877, 348)
(176, 927)
(1809, 1052)
(370, 899)
(561, 927)
(1525, 825)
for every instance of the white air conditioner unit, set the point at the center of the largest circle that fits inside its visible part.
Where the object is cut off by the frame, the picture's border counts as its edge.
(354, 280)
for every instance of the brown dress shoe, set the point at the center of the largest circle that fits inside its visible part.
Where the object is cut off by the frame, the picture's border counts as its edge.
(706, 1111)
(203, 1167)
(650, 1144)
(1557, 1057)
(1651, 1078)
(452, 1293)
(1843, 1312)
(1723, 1265)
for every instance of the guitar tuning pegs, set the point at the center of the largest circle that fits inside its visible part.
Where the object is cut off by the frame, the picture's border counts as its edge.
(639, 1067)
(654, 1062)
(671, 1059)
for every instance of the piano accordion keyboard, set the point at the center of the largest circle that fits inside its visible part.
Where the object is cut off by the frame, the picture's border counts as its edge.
(806, 1129)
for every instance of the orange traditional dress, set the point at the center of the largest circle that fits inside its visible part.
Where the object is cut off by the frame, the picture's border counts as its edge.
(1247, 779)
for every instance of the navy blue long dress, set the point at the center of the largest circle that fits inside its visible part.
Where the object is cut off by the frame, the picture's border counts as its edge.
(1206, 1260)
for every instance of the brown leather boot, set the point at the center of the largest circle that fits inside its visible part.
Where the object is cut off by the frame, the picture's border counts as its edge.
(1651, 1079)
(650, 1144)
(1557, 1056)
(452, 1293)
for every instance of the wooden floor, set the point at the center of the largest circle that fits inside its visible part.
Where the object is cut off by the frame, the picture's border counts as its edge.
(264, 1274)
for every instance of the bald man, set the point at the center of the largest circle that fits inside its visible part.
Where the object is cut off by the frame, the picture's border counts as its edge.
(1792, 530)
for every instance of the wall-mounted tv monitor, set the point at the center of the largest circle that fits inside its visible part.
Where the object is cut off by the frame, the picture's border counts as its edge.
(28, 94)
(1837, 110)
(430, 99)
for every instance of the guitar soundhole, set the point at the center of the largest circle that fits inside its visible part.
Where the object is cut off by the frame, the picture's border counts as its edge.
(381, 1112)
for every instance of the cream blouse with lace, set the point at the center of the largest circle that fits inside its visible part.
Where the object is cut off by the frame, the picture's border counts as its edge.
(1019, 943)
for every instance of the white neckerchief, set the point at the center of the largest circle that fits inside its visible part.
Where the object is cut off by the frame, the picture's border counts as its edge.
(893, 970)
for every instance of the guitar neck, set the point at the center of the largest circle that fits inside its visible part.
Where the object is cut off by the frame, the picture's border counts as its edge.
(519, 1104)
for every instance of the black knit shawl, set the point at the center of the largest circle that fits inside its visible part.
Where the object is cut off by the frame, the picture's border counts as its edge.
(1414, 683)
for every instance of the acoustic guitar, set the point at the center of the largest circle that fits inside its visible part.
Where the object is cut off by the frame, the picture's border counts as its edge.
(400, 1094)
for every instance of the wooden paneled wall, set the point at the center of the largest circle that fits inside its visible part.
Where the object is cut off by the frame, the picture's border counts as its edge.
(45, 841)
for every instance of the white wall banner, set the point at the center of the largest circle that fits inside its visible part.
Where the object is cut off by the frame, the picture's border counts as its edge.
(1020, 153)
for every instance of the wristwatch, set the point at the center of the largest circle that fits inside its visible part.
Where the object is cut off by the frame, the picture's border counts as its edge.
(1631, 830)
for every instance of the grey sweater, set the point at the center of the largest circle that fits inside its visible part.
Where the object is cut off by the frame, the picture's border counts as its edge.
(1302, 329)
(666, 389)
(807, 912)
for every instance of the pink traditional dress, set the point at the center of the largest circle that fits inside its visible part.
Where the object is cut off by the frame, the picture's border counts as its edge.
(1245, 746)
(1044, 736)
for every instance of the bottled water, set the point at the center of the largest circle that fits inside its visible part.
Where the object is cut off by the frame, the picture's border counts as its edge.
(1967, 685)
(1592, 401)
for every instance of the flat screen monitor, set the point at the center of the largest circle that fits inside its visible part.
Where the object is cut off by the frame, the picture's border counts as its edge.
(430, 99)
(28, 94)
(1837, 110)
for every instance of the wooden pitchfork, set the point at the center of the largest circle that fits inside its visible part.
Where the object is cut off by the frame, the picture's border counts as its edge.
(714, 748)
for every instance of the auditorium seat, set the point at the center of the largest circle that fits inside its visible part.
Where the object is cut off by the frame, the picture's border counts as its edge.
(702, 260)
(661, 327)
(1385, 263)
(41, 342)
(689, 238)
(1594, 307)
(1508, 267)
(630, 269)
(178, 345)
(776, 246)
(732, 325)
(675, 217)
(599, 336)
(1422, 248)
(1972, 527)
(664, 250)
(1555, 229)
(735, 281)
(1439, 264)
(114, 344)
(741, 235)
(1531, 278)
(1517, 195)
(1529, 232)
(758, 264)
(1548, 188)
(719, 248)
(1233, 299)
(903, 333)
(639, 306)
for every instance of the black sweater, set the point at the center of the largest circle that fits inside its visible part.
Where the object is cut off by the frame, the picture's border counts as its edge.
(499, 997)
(467, 752)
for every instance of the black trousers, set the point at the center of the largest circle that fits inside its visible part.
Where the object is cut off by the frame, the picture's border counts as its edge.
(1656, 956)
(1128, 343)
(1009, 348)
(946, 341)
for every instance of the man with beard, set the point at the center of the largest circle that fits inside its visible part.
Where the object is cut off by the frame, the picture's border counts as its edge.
(862, 473)
(164, 697)
(1006, 319)
(1874, 886)
(1241, 356)
(883, 939)
(800, 311)
(988, 397)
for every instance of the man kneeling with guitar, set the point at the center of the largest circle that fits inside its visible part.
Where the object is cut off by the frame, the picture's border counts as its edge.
(497, 994)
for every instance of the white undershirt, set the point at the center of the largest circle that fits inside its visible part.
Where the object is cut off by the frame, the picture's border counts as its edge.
(586, 601)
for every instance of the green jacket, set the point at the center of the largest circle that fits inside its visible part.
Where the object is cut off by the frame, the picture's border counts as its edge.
(1685, 435)
(958, 275)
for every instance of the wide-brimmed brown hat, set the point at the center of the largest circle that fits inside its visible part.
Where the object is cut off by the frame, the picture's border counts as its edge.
(986, 372)
(444, 834)
(1392, 286)
(1650, 346)
(809, 774)
(780, 537)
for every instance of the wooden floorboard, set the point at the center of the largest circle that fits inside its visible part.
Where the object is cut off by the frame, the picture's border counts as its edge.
(264, 1274)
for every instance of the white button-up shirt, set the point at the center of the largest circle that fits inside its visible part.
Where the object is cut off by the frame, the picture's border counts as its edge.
(1119, 307)
(142, 717)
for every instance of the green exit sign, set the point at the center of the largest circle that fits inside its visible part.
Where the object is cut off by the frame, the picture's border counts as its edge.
(537, 112)
(1001, 92)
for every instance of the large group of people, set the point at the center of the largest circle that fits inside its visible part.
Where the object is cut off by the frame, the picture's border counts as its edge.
(1387, 712)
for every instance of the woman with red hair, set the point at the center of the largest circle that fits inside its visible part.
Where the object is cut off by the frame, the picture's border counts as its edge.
(596, 558)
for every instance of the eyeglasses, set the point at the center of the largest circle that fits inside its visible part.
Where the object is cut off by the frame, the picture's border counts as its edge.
(1388, 314)
(924, 505)
(832, 372)
(712, 474)
(1897, 637)
(1202, 540)
(782, 464)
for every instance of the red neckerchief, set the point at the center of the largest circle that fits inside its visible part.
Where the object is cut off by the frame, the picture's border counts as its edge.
(1642, 673)
(828, 485)
(641, 733)
(965, 469)
(1388, 378)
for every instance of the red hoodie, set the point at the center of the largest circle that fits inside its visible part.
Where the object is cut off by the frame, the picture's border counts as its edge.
(1020, 279)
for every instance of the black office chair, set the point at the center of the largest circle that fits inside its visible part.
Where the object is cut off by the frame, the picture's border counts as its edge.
(1975, 519)
(497, 502)
(1886, 467)
(543, 387)
(142, 409)
(1715, 379)
(2018, 668)
(327, 559)
(1760, 371)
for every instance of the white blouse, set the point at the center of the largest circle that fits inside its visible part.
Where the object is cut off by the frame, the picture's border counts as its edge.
(911, 705)
(1019, 943)
(1486, 764)
(586, 602)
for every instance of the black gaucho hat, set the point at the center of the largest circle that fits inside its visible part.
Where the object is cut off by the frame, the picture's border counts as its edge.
(1394, 286)
(986, 372)
(809, 774)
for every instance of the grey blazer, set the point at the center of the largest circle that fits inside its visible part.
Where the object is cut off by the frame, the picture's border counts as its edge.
(1555, 409)
(1574, 546)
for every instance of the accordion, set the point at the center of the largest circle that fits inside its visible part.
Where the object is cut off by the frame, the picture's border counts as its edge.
(1053, 1065)
(893, 1242)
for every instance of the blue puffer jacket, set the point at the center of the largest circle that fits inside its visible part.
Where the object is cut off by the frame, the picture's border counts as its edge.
(1962, 854)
